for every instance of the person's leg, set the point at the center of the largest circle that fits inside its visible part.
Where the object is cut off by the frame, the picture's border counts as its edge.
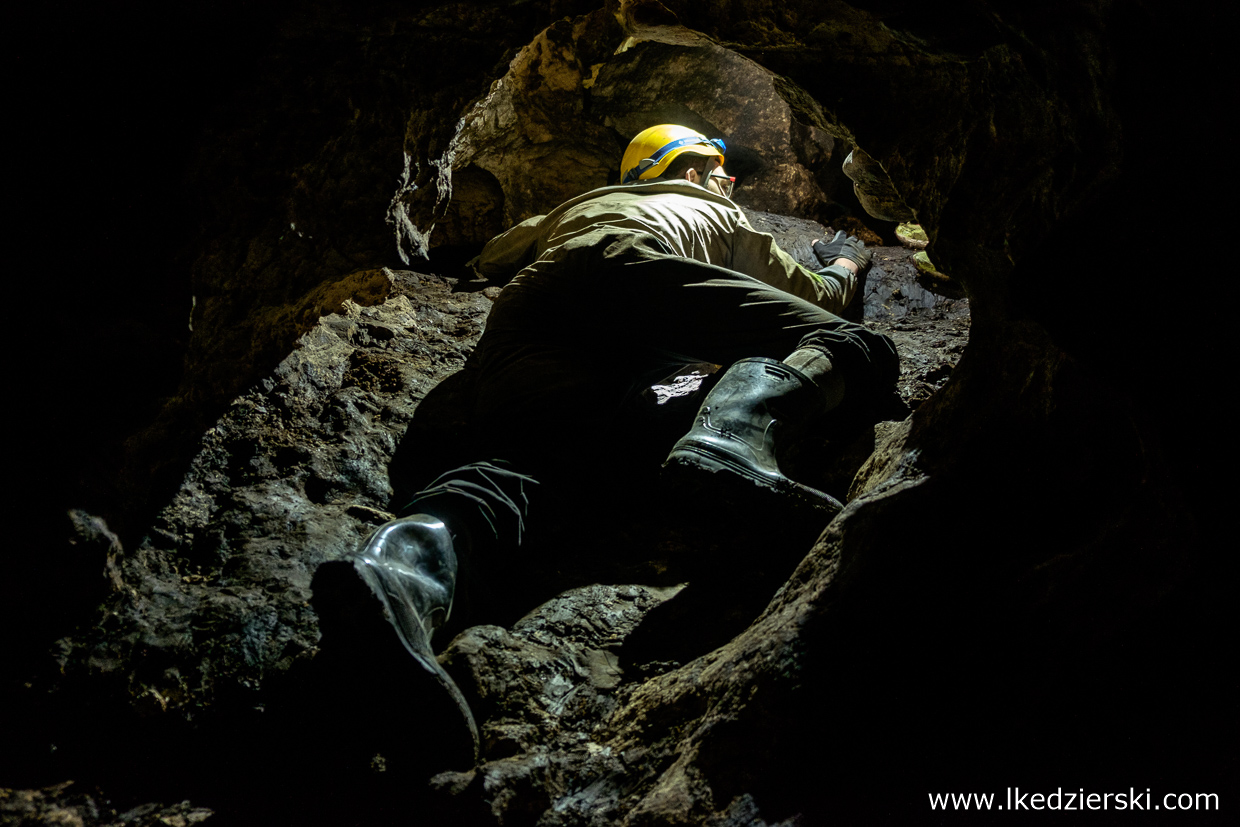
(628, 305)
(742, 422)
(620, 304)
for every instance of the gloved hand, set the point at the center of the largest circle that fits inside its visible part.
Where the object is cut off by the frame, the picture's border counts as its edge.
(842, 246)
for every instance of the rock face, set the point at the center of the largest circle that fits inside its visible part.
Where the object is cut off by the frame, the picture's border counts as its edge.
(780, 165)
(215, 596)
(967, 623)
(555, 124)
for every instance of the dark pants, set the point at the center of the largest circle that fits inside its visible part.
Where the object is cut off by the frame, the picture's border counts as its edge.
(569, 342)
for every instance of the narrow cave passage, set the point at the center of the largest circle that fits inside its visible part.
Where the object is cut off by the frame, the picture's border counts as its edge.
(554, 126)
(1047, 564)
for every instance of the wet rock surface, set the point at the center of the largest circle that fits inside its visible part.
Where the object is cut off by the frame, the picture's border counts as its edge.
(1017, 593)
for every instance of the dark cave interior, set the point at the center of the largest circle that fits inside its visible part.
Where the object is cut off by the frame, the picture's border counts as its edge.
(1080, 593)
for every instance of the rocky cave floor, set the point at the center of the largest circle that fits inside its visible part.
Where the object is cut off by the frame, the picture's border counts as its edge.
(930, 329)
(542, 683)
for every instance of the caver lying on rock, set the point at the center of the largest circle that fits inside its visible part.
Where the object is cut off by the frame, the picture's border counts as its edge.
(613, 290)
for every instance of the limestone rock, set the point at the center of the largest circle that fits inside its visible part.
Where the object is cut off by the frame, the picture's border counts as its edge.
(531, 135)
(295, 473)
(878, 195)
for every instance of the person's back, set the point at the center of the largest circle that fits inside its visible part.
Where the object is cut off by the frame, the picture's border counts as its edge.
(677, 218)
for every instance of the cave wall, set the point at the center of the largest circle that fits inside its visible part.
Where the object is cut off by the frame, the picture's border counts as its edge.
(554, 125)
(1041, 514)
(333, 157)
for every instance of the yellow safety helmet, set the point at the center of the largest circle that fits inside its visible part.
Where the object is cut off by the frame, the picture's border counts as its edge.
(653, 149)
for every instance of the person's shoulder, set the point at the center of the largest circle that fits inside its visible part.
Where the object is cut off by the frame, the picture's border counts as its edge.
(684, 194)
(620, 190)
(678, 187)
(687, 194)
(657, 187)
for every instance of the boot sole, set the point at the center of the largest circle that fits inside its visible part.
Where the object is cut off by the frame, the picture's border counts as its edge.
(701, 468)
(411, 711)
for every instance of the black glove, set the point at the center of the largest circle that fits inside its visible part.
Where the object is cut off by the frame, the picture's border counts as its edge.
(842, 246)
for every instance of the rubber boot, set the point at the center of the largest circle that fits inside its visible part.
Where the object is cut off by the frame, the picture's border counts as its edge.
(410, 565)
(738, 426)
(377, 613)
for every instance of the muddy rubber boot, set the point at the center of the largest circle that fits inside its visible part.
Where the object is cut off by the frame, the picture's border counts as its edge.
(736, 431)
(377, 613)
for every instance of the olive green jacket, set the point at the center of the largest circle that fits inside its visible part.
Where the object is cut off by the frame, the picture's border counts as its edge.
(692, 221)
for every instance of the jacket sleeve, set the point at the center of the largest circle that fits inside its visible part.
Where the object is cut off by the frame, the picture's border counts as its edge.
(509, 251)
(756, 254)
